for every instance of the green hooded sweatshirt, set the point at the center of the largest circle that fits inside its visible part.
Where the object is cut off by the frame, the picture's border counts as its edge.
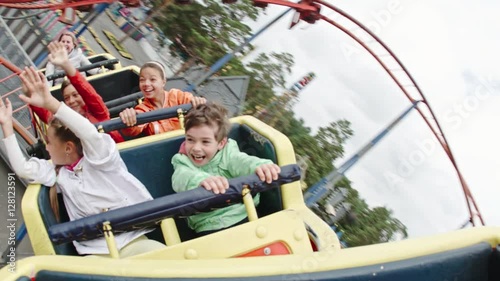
(230, 163)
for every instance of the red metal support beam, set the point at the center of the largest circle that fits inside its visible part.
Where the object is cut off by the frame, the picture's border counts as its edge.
(301, 6)
(52, 6)
(305, 8)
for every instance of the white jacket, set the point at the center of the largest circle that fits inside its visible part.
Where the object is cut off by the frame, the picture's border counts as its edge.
(100, 181)
(77, 58)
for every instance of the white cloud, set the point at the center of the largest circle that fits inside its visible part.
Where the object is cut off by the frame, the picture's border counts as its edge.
(451, 49)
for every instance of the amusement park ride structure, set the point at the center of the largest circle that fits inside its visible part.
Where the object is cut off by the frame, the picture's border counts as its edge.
(310, 12)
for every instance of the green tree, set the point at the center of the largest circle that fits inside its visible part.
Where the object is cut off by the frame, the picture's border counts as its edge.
(332, 138)
(271, 69)
(208, 33)
(211, 28)
(371, 226)
(268, 73)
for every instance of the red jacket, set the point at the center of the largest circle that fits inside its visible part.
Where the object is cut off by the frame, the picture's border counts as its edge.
(173, 97)
(95, 109)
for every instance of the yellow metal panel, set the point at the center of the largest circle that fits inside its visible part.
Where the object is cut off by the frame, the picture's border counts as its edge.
(290, 193)
(170, 232)
(286, 226)
(39, 237)
(260, 266)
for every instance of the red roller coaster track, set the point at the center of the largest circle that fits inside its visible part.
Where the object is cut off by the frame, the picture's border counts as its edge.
(22, 131)
(309, 11)
(30, 4)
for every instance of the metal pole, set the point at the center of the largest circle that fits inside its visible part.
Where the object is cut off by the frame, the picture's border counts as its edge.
(99, 9)
(92, 16)
(319, 190)
(149, 17)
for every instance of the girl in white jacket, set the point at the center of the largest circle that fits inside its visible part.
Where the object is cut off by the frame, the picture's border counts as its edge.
(92, 176)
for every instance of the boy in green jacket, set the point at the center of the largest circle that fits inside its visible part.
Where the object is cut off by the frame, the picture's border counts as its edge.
(208, 158)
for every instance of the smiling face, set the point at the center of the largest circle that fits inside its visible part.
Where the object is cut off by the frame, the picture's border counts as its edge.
(68, 42)
(152, 83)
(73, 99)
(201, 144)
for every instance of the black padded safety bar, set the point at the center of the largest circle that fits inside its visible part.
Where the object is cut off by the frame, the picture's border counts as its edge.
(148, 214)
(142, 118)
(60, 74)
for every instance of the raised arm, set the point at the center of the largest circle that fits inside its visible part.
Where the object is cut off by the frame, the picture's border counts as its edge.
(34, 170)
(95, 105)
(42, 113)
(95, 145)
(58, 56)
(93, 101)
(6, 118)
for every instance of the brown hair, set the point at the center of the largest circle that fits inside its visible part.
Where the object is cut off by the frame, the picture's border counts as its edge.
(65, 84)
(155, 65)
(64, 134)
(210, 114)
(70, 34)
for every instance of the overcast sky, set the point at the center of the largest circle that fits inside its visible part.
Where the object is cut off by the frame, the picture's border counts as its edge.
(452, 50)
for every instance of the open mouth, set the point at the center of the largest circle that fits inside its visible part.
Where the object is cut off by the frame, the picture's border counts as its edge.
(198, 158)
(148, 92)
